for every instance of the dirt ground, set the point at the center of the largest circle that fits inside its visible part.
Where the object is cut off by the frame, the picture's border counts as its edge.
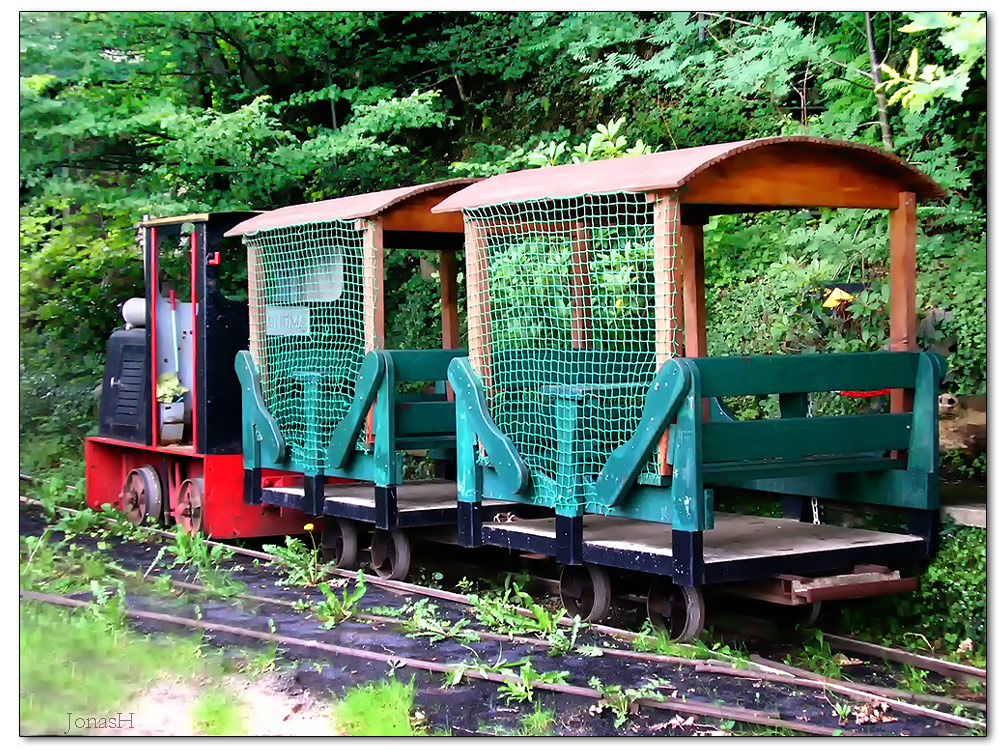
(272, 705)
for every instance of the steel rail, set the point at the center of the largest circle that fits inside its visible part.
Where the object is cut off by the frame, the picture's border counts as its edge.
(909, 708)
(941, 700)
(946, 668)
(400, 586)
(486, 635)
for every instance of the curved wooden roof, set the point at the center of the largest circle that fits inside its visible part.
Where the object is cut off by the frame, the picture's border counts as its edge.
(763, 173)
(345, 208)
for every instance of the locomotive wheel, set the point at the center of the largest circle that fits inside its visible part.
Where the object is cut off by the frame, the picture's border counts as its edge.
(585, 590)
(141, 496)
(677, 610)
(340, 543)
(190, 509)
(391, 554)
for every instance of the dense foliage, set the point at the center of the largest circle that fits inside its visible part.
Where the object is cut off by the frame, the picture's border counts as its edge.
(948, 607)
(124, 114)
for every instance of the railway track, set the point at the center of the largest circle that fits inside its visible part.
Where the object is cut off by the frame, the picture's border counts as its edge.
(757, 669)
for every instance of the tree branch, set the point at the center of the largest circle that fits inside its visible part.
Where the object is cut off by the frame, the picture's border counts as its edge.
(883, 110)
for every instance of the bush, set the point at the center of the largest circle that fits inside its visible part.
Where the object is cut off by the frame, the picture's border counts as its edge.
(948, 607)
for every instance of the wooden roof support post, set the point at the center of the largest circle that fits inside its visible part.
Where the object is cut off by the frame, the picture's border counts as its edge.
(666, 268)
(451, 337)
(372, 296)
(693, 282)
(580, 290)
(903, 287)
(373, 273)
(477, 291)
(258, 307)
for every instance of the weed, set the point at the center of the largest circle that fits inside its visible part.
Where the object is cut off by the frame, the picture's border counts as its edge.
(109, 608)
(496, 610)
(81, 522)
(431, 579)
(258, 663)
(519, 686)
(300, 562)
(218, 713)
(657, 641)
(817, 657)
(193, 551)
(424, 623)
(539, 723)
(622, 702)
(56, 566)
(915, 679)
(386, 611)
(58, 489)
(843, 711)
(333, 609)
(383, 709)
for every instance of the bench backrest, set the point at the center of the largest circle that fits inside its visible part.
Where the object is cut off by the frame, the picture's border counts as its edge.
(795, 435)
(422, 414)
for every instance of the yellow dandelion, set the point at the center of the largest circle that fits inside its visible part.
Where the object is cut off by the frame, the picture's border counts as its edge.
(308, 527)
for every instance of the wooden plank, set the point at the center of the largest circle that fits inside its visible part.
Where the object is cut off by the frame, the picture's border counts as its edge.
(795, 438)
(418, 365)
(806, 373)
(666, 261)
(414, 214)
(257, 304)
(432, 418)
(692, 247)
(478, 303)
(373, 274)
(693, 285)
(851, 463)
(451, 335)
(794, 176)
(903, 286)
(735, 537)
(580, 293)
(373, 296)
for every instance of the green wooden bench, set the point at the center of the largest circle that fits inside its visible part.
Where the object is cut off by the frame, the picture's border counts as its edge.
(401, 421)
(887, 459)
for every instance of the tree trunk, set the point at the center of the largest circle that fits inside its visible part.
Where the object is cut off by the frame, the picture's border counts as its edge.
(883, 113)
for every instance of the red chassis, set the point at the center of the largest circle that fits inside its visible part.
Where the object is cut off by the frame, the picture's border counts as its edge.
(225, 514)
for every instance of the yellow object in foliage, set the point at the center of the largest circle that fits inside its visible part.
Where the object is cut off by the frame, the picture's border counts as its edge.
(169, 388)
(837, 297)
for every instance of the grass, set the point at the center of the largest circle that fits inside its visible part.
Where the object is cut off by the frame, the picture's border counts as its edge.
(78, 662)
(539, 723)
(218, 712)
(378, 709)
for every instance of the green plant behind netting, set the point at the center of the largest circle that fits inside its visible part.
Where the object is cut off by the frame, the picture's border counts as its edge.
(566, 405)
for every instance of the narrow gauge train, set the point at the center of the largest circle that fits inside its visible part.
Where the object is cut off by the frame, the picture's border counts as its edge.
(585, 423)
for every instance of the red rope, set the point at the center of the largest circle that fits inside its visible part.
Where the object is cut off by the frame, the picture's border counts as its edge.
(865, 394)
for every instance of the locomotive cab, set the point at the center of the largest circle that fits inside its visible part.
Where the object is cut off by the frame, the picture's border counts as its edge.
(168, 441)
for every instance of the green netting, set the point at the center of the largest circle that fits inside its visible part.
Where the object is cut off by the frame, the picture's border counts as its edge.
(565, 311)
(307, 328)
